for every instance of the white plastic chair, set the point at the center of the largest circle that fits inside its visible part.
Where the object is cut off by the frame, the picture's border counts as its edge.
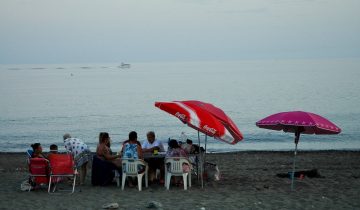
(130, 168)
(174, 167)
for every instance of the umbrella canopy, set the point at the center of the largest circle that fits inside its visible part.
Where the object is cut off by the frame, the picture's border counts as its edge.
(298, 122)
(218, 114)
(205, 118)
(291, 121)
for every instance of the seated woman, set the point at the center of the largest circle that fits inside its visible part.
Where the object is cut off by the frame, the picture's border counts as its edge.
(37, 151)
(38, 165)
(176, 151)
(132, 148)
(104, 163)
(104, 152)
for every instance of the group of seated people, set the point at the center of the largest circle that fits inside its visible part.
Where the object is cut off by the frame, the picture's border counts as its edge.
(133, 149)
(79, 150)
(105, 161)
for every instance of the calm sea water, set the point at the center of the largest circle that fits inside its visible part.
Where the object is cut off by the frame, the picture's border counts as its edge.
(39, 103)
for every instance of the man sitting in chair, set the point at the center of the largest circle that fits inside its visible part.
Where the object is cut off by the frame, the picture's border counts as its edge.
(152, 145)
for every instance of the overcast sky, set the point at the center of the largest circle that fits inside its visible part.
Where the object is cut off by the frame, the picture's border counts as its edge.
(78, 31)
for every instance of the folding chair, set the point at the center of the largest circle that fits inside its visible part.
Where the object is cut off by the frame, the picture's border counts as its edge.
(61, 165)
(174, 167)
(131, 167)
(38, 171)
(29, 153)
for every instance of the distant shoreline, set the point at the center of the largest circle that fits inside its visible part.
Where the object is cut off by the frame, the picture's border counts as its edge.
(243, 151)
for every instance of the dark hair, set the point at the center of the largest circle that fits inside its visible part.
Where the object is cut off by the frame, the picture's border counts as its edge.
(173, 144)
(53, 147)
(103, 136)
(132, 135)
(35, 146)
(188, 141)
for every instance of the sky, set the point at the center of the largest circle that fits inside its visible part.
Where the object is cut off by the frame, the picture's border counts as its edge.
(100, 31)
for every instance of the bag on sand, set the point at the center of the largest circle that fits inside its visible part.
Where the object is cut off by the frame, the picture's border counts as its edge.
(313, 173)
(212, 172)
(25, 186)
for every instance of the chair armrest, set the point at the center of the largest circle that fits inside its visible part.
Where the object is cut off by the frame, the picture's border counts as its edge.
(142, 162)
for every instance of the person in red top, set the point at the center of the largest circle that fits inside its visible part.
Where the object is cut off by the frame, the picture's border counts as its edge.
(37, 151)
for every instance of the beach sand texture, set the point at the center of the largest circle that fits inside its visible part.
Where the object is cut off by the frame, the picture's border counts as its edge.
(248, 181)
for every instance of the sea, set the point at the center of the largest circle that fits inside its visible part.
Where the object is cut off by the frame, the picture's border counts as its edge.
(41, 102)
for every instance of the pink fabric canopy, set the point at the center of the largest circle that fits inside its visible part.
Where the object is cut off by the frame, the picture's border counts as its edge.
(291, 121)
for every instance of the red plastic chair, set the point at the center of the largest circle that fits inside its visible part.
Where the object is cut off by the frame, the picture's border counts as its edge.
(38, 171)
(61, 165)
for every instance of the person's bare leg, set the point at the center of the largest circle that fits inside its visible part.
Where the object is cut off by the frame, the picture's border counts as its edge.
(162, 174)
(83, 170)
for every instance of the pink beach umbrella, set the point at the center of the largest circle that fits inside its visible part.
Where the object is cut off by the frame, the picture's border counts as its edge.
(298, 122)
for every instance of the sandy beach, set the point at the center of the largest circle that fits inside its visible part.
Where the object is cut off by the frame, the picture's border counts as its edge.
(248, 181)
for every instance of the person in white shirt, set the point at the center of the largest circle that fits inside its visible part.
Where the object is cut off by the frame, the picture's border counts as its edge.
(149, 146)
(152, 143)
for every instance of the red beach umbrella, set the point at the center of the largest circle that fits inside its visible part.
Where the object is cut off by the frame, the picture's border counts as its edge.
(205, 118)
(221, 116)
(298, 122)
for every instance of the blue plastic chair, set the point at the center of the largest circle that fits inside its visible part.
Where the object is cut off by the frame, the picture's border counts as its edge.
(29, 152)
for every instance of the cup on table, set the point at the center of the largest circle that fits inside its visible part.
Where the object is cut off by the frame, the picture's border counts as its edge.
(156, 151)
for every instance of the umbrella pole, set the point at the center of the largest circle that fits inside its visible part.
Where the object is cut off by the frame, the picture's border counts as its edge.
(199, 138)
(205, 147)
(203, 163)
(297, 137)
(197, 168)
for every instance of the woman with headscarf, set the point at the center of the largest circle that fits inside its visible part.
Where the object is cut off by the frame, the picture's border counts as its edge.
(80, 152)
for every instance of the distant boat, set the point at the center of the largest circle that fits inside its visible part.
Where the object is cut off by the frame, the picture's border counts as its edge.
(85, 67)
(124, 66)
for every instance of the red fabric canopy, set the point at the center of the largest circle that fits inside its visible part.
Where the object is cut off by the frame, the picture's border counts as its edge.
(205, 118)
